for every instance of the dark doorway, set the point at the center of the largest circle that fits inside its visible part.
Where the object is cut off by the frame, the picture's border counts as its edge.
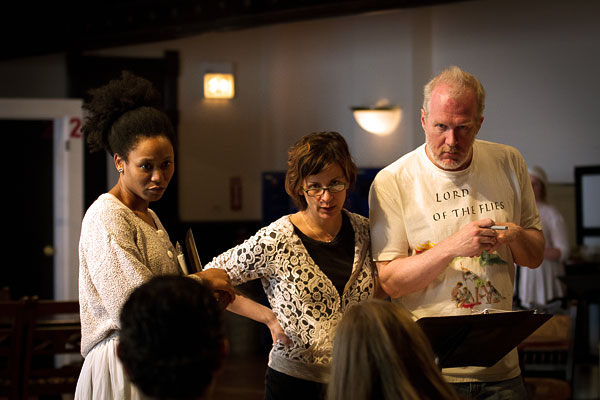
(88, 72)
(28, 182)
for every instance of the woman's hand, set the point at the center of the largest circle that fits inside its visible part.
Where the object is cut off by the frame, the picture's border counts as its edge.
(277, 333)
(253, 310)
(218, 280)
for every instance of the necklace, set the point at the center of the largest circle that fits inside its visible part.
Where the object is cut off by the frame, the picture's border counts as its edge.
(313, 231)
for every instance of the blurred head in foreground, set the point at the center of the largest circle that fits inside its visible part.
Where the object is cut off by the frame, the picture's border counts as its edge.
(172, 339)
(381, 353)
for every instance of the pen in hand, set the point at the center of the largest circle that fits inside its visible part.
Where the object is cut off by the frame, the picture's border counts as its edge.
(498, 227)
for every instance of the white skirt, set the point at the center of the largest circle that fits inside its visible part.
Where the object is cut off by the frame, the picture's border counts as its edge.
(103, 376)
(540, 286)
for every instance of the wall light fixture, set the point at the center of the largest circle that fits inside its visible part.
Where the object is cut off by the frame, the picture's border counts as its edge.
(219, 86)
(218, 80)
(381, 119)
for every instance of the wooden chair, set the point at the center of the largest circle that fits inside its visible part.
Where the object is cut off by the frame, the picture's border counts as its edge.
(52, 359)
(12, 315)
(547, 358)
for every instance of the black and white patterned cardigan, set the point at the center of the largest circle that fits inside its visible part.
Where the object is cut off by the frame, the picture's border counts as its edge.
(304, 300)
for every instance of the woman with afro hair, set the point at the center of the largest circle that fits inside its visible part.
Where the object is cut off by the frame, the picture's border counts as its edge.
(123, 243)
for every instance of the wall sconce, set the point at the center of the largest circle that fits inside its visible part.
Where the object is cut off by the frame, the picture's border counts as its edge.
(218, 80)
(382, 119)
(219, 86)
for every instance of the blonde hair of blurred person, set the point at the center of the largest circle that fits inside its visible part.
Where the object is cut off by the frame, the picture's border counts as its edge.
(381, 353)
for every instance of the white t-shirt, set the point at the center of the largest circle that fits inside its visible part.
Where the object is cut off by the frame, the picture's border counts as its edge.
(414, 205)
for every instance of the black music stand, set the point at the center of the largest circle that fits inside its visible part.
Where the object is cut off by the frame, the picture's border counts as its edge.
(479, 339)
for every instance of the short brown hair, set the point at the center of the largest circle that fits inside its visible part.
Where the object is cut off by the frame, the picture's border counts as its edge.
(311, 155)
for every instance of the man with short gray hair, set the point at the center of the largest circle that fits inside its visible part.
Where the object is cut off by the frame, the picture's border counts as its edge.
(450, 219)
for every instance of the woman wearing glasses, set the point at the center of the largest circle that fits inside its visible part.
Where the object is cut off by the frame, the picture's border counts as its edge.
(313, 265)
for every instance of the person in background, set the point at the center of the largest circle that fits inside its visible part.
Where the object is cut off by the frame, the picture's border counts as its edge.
(380, 353)
(123, 243)
(313, 265)
(172, 339)
(541, 288)
(454, 210)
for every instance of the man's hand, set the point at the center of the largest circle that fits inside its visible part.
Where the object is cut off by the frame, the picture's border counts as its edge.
(526, 245)
(508, 236)
(472, 239)
(410, 274)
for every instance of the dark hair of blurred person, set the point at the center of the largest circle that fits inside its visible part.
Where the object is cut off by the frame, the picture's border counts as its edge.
(172, 338)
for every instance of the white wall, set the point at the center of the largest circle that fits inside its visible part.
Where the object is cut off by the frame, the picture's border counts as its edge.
(537, 59)
(291, 79)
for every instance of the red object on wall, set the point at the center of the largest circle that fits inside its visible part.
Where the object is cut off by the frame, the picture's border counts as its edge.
(235, 193)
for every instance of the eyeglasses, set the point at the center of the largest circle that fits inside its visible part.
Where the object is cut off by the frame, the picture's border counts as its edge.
(315, 192)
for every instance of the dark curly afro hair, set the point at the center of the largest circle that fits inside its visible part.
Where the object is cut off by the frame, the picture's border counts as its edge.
(122, 112)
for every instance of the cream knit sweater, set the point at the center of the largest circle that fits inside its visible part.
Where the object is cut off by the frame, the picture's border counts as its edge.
(117, 253)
